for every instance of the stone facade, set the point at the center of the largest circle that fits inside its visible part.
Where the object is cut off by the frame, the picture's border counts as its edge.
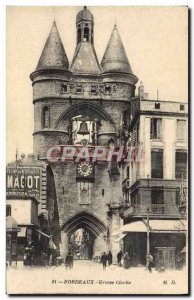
(98, 92)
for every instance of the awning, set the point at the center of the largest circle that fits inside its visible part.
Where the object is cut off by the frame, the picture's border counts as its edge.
(166, 226)
(137, 226)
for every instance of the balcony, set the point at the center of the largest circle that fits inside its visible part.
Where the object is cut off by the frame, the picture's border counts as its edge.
(154, 210)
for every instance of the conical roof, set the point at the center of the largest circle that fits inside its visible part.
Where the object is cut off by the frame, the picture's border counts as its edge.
(53, 54)
(85, 60)
(115, 58)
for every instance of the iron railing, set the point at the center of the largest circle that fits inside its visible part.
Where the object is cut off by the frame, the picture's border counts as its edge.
(156, 209)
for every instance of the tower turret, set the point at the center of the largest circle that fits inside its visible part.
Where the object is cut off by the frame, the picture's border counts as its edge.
(115, 64)
(85, 25)
(85, 60)
(53, 55)
(115, 58)
(50, 80)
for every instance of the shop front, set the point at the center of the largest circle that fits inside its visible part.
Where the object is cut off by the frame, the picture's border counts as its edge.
(167, 239)
(25, 213)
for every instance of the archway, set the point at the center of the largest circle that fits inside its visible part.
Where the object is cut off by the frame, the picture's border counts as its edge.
(85, 108)
(81, 244)
(85, 234)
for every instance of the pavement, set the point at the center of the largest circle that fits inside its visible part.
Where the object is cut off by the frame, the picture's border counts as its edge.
(88, 277)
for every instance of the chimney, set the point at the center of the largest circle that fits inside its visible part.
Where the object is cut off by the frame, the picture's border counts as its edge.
(141, 90)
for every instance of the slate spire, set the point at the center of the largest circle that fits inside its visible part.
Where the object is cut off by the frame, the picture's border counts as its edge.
(53, 55)
(115, 58)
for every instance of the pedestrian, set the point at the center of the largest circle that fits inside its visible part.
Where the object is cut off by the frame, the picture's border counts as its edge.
(69, 261)
(50, 260)
(119, 257)
(109, 256)
(150, 262)
(179, 261)
(126, 260)
(104, 259)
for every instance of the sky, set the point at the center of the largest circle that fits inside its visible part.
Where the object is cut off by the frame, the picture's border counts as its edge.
(155, 40)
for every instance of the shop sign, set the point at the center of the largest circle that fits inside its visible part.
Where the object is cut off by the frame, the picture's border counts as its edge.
(23, 182)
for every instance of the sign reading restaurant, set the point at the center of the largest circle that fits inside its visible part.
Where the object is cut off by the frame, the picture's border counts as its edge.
(22, 182)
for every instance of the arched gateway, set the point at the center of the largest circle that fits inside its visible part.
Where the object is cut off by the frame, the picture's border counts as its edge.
(94, 235)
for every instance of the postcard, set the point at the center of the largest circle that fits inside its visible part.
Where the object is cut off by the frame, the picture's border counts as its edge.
(97, 150)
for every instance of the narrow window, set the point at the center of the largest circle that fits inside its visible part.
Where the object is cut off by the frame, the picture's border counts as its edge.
(157, 199)
(86, 34)
(107, 89)
(64, 88)
(128, 172)
(182, 107)
(79, 35)
(157, 163)
(181, 130)
(157, 105)
(156, 128)
(45, 117)
(181, 165)
(8, 210)
(102, 192)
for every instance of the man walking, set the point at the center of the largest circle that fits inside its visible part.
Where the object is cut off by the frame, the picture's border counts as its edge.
(104, 259)
(119, 257)
(109, 256)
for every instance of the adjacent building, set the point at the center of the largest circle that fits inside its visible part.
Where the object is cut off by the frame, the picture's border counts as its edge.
(155, 181)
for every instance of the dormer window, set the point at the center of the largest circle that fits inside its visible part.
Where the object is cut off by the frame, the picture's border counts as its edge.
(107, 89)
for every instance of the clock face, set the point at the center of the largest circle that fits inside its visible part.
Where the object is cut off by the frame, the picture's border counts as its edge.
(85, 169)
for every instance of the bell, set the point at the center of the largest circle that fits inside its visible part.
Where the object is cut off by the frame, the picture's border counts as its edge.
(83, 128)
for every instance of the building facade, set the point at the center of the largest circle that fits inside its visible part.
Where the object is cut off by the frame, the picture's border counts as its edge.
(155, 182)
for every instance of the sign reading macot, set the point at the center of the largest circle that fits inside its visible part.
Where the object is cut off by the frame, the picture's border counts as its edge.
(22, 182)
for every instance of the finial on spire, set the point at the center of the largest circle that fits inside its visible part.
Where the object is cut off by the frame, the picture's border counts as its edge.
(54, 16)
(115, 25)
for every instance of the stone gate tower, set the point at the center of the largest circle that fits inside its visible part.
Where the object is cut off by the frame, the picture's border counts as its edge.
(85, 103)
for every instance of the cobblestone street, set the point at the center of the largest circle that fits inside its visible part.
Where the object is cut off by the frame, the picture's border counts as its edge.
(89, 277)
